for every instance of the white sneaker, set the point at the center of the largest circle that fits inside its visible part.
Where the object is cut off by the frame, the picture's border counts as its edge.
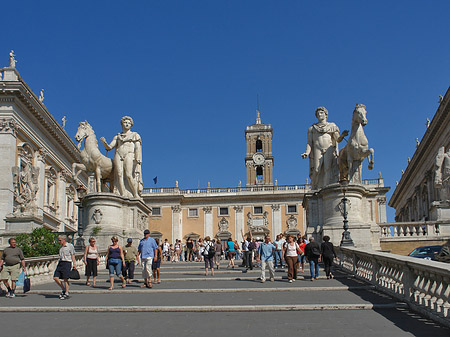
(290, 281)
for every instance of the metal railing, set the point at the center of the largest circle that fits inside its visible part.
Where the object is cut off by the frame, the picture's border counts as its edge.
(423, 285)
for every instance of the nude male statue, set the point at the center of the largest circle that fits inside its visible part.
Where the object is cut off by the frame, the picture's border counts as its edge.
(322, 149)
(442, 173)
(127, 159)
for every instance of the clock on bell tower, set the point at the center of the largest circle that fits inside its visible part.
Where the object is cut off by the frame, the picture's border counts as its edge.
(259, 159)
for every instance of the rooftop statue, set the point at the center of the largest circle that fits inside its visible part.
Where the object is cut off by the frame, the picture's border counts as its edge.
(322, 149)
(357, 148)
(127, 159)
(12, 59)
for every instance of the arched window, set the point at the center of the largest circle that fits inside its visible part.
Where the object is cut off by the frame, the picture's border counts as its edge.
(259, 175)
(259, 145)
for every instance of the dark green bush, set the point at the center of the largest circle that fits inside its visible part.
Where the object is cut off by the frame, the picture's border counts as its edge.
(40, 242)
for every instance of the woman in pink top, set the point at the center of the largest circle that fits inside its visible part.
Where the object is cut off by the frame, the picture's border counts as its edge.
(91, 260)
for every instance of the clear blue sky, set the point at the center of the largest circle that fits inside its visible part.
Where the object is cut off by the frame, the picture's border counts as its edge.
(188, 72)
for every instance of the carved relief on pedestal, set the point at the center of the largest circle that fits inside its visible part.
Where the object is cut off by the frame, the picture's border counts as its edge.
(97, 216)
(142, 220)
(223, 225)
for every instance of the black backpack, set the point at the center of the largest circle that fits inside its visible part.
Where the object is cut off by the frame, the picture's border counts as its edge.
(209, 251)
(251, 246)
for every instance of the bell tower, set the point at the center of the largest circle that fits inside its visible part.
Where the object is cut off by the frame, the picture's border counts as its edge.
(259, 159)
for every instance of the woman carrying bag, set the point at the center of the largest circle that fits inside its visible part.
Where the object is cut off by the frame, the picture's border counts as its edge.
(291, 250)
(115, 261)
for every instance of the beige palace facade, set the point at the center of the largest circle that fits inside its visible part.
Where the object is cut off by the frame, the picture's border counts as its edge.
(260, 206)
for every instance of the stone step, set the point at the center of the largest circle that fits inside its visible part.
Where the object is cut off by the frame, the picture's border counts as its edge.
(203, 308)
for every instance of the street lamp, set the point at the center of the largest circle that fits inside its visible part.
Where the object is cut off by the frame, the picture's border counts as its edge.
(346, 238)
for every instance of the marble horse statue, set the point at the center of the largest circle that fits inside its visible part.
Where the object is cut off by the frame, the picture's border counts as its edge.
(357, 148)
(92, 159)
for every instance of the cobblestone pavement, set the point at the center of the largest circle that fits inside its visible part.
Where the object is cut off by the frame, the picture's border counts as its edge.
(188, 303)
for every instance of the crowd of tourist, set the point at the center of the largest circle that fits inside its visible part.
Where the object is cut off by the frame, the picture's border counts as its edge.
(291, 252)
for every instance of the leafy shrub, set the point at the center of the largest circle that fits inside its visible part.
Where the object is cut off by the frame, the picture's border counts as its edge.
(96, 230)
(40, 242)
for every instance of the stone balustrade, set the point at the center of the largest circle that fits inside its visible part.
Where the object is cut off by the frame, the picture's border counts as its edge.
(244, 189)
(424, 285)
(410, 229)
(41, 269)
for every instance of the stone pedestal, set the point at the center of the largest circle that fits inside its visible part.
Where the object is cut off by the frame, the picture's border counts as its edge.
(324, 216)
(107, 214)
(440, 210)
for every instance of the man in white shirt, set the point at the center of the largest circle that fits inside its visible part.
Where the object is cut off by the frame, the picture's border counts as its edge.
(65, 264)
(278, 256)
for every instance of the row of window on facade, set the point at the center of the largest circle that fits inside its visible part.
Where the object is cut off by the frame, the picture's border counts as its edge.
(30, 195)
(224, 211)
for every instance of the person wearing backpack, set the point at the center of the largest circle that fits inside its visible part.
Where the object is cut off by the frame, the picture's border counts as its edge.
(312, 252)
(209, 251)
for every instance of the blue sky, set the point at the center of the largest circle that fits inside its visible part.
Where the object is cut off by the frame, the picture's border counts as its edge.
(188, 72)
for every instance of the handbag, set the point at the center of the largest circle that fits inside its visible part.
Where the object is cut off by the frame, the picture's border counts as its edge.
(26, 285)
(74, 274)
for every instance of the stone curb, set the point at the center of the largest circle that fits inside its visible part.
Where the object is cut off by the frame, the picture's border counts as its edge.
(231, 308)
(221, 290)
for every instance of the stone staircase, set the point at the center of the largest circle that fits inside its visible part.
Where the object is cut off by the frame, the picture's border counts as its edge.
(187, 302)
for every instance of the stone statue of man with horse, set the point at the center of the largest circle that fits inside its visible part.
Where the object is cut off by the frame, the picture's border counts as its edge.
(121, 175)
(322, 149)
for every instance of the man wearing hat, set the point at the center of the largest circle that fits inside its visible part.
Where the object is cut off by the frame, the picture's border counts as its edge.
(148, 250)
(131, 255)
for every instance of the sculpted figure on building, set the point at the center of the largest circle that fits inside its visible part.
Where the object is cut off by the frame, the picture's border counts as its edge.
(25, 188)
(322, 149)
(127, 159)
(442, 173)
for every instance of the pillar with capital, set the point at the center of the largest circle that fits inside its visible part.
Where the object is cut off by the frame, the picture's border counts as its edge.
(208, 222)
(177, 226)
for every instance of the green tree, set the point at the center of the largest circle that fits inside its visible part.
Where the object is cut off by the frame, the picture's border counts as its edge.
(40, 242)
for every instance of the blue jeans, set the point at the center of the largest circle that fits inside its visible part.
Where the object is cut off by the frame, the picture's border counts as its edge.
(115, 265)
(278, 258)
(314, 267)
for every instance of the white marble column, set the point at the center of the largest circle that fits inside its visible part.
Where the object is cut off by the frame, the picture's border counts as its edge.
(177, 225)
(239, 222)
(62, 200)
(208, 222)
(276, 220)
(8, 129)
